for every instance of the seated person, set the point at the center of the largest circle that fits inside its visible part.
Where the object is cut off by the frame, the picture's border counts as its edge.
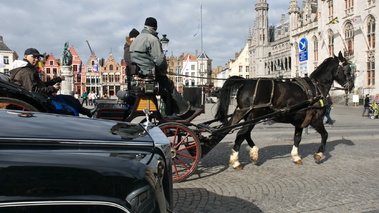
(25, 75)
(146, 52)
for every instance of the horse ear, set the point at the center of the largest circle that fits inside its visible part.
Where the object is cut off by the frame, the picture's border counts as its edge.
(340, 56)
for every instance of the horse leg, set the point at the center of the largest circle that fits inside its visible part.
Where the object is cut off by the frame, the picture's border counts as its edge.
(241, 136)
(324, 137)
(253, 148)
(295, 149)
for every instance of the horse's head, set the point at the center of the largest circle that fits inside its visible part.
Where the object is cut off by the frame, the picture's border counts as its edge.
(343, 75)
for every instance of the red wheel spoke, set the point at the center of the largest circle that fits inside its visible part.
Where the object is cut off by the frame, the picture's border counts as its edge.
(187, 156)
(175, 168)
(183, 164)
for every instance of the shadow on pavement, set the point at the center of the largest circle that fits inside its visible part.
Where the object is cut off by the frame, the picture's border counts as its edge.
(210, 202)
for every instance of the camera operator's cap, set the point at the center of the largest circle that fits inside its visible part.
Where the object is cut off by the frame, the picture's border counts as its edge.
(32, 51)
(151, 22)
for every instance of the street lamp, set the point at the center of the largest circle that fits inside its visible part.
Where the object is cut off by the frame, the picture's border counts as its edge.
(164, 42)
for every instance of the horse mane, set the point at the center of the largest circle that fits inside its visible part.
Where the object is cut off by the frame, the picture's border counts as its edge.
(231, 84)
(320, 69)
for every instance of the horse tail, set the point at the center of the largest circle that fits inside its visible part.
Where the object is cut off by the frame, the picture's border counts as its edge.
(231, 84)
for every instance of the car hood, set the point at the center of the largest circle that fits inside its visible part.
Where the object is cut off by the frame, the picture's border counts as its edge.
(69, 127)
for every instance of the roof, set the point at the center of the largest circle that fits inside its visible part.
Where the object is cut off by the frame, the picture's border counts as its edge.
(203, 55)
(3, 46)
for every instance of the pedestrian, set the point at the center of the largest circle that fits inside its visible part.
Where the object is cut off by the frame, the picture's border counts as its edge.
(329, 106)
(85, 98)
(92, 97)
(146, 52)
(376, 99)
(25, 74)
(366, 106)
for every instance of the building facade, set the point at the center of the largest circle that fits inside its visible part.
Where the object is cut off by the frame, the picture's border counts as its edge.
(326, 27)
(7, 56)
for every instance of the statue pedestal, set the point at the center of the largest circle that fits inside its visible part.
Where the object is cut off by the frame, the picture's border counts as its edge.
(68, 84)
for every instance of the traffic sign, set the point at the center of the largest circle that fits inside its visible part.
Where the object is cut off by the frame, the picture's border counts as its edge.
(303, 55)
(303, 44)
(303, 67)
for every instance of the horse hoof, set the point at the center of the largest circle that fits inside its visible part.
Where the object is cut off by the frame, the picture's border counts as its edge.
(317, 157)
(255, 160)
(298, 162)
(239, 167)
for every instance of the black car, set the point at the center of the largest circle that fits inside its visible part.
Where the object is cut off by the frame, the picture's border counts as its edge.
(60, 163)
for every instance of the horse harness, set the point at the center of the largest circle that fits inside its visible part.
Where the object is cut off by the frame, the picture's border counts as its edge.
(310, 88)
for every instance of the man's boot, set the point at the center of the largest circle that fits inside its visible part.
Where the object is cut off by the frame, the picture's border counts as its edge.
(182, 107)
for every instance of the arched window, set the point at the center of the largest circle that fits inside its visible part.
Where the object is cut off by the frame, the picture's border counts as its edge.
(331, 43)
(111, 67)
(371, 32)
(349, 39)
(315, 48)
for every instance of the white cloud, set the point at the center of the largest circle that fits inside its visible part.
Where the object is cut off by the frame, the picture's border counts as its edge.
(47, 25)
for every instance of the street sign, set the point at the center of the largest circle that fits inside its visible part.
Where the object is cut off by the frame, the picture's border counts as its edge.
(303, 67)
(303, 44)
(303, 55)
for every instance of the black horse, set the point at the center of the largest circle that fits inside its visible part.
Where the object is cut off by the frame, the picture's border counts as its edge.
(298, 101)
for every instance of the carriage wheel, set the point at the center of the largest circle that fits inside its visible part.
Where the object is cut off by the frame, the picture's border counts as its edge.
(185, 150)
(15, 104)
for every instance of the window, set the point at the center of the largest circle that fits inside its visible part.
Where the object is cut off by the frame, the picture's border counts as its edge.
(117, 78)
(370, 2)
(240, 69)
(47, 70)
(247, 69)
(371, 69)
(349, 39)
(371, 33)
(51, 62)
(330, 10)
(331, 44)
(54, 71)
(349, 6)
(111, 67)
(315, 49)
(192, 67)
(74, 67)
(6, 72)
(6, 59)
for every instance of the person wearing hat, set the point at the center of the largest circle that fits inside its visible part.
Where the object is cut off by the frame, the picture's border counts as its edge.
(146, 51)
(24, 73)
(129, 39)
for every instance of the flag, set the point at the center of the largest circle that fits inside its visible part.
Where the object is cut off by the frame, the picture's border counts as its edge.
(334, 21)
(185, 64)
(95, 67)
(356, 20)
(39, 66)
(80, 69)
(2, 64)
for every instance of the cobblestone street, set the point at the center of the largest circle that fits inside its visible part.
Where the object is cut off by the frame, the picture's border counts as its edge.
(346, 180)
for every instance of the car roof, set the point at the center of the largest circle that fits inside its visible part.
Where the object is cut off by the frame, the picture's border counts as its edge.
(37, 125)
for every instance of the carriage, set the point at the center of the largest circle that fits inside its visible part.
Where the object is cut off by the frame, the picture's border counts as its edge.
(297, 101)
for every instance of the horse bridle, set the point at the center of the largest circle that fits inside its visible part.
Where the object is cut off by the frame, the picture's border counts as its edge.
(344, 66)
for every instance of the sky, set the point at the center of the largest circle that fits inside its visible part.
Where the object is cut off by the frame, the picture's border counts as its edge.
(48, 24)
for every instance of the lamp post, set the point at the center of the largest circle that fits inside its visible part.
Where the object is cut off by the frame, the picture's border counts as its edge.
(164, 42)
